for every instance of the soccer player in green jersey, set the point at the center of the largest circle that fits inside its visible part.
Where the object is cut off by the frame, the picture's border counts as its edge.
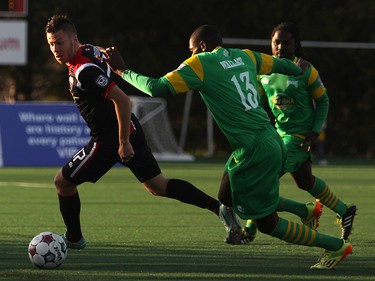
(300, 107)
(227, 82)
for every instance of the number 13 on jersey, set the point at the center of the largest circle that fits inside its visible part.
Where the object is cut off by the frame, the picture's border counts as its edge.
(250, 98)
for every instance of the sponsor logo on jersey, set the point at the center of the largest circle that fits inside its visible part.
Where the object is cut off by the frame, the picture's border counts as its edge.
(102, 81)
(282, 101)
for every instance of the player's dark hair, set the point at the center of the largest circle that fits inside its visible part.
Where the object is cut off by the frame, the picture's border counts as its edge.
(209, 34)
(60, 22)
(293, 30)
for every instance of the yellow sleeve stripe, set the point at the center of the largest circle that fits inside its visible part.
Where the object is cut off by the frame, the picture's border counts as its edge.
(267, 64)
(318, 92)
(251, 55)
(312, 78)
(177, 82)
(196, 65)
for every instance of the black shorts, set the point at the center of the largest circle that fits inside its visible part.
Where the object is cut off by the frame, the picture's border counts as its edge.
(95, 159)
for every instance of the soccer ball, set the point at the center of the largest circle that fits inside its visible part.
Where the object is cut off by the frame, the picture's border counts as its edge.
(47, 250)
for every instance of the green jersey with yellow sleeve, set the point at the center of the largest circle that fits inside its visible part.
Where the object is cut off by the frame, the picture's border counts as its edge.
(299, 103)
(227, 82)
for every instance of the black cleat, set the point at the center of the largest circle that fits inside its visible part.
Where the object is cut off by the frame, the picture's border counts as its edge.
(346, 221)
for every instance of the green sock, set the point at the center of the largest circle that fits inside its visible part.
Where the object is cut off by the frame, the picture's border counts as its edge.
(322, 192)
(291, 206)
(296, 233)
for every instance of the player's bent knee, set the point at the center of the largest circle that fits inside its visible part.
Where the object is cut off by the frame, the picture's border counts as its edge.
(225, 199)
(155, 189)
(264, 228)
(157, 185)
(268, 223)
(306, 184)
(64, 187)
(58, 180)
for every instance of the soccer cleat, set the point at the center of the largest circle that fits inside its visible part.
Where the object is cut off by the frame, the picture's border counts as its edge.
(243, 239)
(346, 221)
(232, 225)
(81, 244)
(329, 260)
(249, 233)
(315, 210)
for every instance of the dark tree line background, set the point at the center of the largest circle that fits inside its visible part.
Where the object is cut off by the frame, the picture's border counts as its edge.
(153, 37)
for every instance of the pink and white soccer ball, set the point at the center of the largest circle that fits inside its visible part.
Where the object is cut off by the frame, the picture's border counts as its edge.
(47, 250)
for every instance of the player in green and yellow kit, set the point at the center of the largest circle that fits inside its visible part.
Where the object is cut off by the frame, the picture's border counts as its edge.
(300, 107)
(226, 81)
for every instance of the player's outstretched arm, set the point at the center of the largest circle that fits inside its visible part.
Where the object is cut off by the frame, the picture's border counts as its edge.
(114, 60)
(286, 66)
(153, 87)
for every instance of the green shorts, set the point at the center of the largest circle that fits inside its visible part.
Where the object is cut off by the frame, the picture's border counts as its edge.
(254, 175)
(296, 154)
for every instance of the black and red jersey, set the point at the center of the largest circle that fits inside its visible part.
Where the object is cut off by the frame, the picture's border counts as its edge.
(89, 83)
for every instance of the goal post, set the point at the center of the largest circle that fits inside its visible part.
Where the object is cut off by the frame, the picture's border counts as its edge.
(153, 116)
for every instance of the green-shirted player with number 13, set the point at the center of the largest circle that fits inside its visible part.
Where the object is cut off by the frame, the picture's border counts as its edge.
(226, 80)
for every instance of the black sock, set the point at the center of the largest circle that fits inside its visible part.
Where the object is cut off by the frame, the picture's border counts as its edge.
(70, 208)
(188, 193)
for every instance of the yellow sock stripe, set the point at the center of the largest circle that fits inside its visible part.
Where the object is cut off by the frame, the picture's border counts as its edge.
(301, 230)
(332, 203)
(323, 194)
(299, 234)
(293, 233)
(312, 237)
(286, 232)
(308, 236)
(305, 236)
(327, 198)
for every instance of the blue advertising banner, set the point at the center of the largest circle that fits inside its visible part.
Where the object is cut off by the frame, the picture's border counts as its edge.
(35, 134)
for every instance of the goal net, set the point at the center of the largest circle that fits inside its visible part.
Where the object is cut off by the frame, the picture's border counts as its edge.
(153, 116)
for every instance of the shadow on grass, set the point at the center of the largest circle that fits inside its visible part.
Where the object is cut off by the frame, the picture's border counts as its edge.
(169, 262)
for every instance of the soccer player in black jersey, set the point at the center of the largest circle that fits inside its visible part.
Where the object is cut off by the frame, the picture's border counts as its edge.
(116, 135)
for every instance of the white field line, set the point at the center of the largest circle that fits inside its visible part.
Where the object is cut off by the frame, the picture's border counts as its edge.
(25, 184)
